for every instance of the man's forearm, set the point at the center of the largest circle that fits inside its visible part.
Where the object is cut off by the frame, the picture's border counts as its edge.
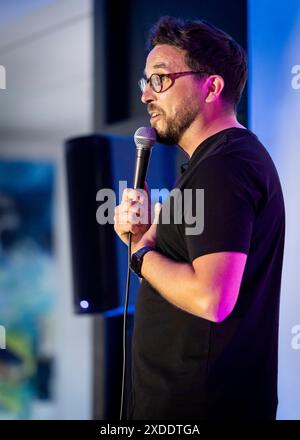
(177, 283)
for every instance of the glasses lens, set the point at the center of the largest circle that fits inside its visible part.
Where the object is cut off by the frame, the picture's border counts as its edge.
(142, 84)
(156, 83)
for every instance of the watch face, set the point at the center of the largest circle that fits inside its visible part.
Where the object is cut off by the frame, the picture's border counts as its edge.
(135, 262)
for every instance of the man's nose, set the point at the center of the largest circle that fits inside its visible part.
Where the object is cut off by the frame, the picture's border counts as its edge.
(148, 95)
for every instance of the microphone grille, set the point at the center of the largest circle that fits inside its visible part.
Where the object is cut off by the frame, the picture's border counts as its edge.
(145, 137)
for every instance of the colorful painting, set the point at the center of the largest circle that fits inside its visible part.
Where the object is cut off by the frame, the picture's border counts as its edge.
(27, 290)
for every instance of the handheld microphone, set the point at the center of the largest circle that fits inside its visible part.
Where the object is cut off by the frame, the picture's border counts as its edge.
(144, 139)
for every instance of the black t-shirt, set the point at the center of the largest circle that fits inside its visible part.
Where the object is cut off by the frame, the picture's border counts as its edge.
(184, 366)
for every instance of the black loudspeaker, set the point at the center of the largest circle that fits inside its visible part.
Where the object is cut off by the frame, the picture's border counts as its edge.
(88, 169)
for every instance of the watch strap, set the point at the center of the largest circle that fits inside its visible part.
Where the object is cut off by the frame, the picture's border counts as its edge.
(137, 259)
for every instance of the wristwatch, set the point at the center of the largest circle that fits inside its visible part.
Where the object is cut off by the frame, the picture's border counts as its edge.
(137, 259)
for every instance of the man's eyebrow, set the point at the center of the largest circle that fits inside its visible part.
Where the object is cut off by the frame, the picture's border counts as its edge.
(158, 66)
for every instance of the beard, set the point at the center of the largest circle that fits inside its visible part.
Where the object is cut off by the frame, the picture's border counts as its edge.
(177, 125)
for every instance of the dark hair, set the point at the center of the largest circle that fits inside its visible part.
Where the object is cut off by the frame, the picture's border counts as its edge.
(206, 46)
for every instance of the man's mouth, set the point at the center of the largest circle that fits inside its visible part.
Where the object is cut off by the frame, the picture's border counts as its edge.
(154, 115)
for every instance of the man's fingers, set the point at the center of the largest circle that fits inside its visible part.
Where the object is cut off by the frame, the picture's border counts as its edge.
(127, 207)
(134, 195)
(135, 212)
(126, 228)
(132, 213)
(131, 207)
(127, 217)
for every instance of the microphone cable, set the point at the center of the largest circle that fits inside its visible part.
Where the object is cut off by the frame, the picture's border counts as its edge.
(125, 326)
(144, 139)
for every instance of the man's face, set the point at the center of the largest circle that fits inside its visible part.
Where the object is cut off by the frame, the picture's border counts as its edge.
(174, 110)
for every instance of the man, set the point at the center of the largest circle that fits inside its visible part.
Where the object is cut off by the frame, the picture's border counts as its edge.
(206, 322)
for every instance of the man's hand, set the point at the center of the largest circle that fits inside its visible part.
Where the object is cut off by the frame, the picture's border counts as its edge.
(149, 238)
(133, 215)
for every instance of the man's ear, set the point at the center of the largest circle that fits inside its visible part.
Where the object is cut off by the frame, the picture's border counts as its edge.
(215, 85)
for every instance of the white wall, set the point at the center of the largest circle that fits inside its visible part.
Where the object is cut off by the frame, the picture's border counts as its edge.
(46, 50)
(274, 30)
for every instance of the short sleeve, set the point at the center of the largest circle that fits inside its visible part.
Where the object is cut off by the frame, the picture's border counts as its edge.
(219, 207)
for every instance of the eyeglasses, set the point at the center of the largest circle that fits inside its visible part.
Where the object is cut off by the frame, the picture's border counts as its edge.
(160, 82)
